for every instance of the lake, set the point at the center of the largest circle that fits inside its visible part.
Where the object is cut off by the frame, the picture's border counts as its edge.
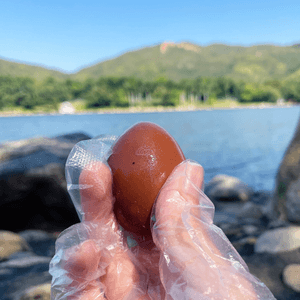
(245, 143)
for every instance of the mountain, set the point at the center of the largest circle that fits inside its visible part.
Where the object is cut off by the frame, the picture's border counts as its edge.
(185, 60)
(22, 69)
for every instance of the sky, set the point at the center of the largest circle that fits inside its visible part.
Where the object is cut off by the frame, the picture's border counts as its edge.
(69, 35)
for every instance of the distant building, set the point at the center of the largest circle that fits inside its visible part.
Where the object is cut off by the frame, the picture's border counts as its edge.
(66, 108)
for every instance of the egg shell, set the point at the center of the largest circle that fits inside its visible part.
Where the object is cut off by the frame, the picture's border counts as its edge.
(141, 161)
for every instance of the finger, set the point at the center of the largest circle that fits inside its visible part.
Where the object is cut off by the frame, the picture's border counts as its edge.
(82, 261)
(180, 191)
(95, 183)
(124, 279)
(183, 232)
(91, 292)
(82, 264)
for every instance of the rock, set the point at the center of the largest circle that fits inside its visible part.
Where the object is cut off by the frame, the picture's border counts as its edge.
(245, 246)
(41, 242)
(224, 217)
(268, 268)
(250, 229)
(21, 156)
(291, 277)
(262, 197)
(25, 261)
(22, 271)
(228, 188)
(250, 211)
(42, 292)
(293, 201)
(278, 240)
(232, 231)
(287, 192)
(33, 187)
(11, 243)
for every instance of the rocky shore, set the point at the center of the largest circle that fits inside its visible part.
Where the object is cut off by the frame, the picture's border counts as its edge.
(35, 207)
(135, 109)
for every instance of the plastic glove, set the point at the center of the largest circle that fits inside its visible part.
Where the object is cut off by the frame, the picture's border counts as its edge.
(189, 257)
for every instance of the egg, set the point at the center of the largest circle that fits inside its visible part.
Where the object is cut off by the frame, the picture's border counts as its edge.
(141, 161)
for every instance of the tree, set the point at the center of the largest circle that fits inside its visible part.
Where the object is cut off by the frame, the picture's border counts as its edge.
(259, 93)
(170, 98)
(99, 97)
(75, 88)
(51, 93)
(291, 91)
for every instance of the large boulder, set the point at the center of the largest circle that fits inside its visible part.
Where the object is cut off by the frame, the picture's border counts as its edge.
(287, 192)
(33, 187)
(227, 188)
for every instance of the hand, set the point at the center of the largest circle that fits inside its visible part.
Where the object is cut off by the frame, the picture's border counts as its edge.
(190, 258)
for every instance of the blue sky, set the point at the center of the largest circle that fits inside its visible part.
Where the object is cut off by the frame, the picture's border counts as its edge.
(68, 35)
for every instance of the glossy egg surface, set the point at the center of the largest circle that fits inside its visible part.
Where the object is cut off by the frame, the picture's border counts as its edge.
(141, 161)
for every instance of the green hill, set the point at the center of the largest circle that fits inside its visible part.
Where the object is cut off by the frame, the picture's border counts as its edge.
(184, 60)
(21, 69)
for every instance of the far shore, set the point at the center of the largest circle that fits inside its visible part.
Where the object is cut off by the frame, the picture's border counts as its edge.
(185, 108)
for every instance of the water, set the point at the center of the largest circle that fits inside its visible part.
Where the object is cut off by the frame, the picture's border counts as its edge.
(246, 143)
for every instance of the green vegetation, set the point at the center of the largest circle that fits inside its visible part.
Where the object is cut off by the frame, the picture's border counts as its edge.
(24, 94)
(166, 75)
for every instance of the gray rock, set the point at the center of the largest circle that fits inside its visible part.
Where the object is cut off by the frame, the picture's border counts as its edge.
(25, 262)
(279, 240)
(13, 287)
(269, 267)
(224, 217)
(287, 193)
(250, 211)
(228, 188)
(33, 187)
(293, 201)
(245, 246)
(21, 156)
(41, 242)
(250, 229)
(291, 277)
(22, 271)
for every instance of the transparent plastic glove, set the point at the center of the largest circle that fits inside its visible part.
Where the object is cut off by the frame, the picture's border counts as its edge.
(190, 258)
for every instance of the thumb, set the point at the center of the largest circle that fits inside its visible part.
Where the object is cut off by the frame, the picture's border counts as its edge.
(197, 259)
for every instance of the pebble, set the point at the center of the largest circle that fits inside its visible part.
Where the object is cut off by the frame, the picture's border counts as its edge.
(291, 277)
(278, 240)
(41, 292)
(11, 243)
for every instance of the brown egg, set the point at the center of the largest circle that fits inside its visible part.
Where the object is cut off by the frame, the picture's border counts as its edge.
(141, 161)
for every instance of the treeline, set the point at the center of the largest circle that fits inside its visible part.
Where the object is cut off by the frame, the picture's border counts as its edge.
(129, 91)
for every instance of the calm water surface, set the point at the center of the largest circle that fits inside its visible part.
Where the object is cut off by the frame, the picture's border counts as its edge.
(246, 143)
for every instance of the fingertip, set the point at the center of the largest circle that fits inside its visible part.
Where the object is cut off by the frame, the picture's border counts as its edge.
(95, 184)
(189, 169)
(84, 260)
(94, 171)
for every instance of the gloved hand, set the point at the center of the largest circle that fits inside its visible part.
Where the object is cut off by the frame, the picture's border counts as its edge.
(189, 257)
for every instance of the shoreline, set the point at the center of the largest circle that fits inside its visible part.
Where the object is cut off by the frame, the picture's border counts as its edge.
(150, 110)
